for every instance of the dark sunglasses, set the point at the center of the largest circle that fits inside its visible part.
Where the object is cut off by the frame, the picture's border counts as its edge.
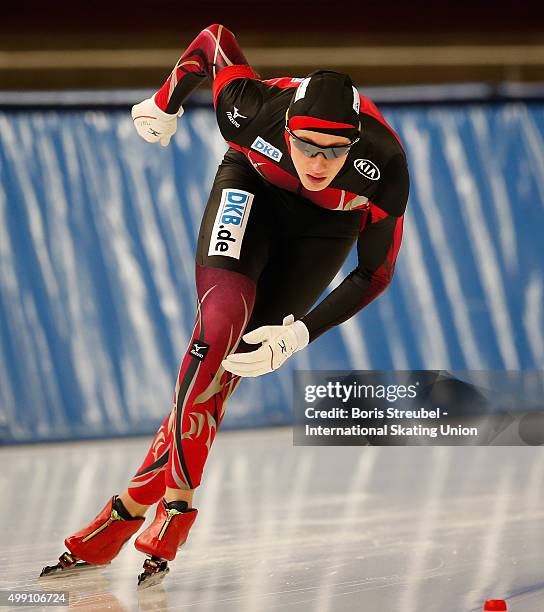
(311, 150)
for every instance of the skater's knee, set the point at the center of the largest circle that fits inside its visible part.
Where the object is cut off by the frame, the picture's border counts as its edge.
(223, 324)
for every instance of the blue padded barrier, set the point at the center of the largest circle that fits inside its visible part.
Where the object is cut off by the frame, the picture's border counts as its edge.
(97, 237)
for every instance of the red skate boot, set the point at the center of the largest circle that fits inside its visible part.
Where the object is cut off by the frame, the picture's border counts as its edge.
(99, 542)
(162, 538)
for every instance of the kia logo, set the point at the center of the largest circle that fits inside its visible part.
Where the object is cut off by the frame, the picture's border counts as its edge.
(367, 168)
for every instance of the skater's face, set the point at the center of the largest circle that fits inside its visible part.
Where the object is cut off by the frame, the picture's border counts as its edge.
(316, 173)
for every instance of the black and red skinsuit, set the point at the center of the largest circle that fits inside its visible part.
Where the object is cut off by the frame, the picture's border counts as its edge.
(274, 249)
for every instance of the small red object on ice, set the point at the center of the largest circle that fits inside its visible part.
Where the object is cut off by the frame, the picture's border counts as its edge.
(494, 605)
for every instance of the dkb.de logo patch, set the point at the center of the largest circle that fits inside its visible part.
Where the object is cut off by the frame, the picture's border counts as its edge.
(230, 223)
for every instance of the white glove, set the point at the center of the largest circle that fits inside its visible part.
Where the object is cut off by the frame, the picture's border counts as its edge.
(152, 123)
(279, 342)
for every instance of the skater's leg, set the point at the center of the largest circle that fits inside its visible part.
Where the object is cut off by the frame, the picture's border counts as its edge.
(186, 495)
(148, 485)
(233, 177)
(231, 254)
(225, 303)
(230, 259)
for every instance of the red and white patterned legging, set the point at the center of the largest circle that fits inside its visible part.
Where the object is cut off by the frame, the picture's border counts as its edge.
(181, 445)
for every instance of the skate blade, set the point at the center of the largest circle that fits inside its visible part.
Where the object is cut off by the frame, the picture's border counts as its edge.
(155, 569)
(146, 580)
(58, 570)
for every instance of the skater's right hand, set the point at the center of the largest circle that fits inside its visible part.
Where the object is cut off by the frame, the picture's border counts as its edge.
(278, 343)
(152, 123)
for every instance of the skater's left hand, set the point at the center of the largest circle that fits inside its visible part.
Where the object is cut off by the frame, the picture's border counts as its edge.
(279, 342)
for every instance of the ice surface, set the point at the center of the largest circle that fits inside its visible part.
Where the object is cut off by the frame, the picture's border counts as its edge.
(299, 529)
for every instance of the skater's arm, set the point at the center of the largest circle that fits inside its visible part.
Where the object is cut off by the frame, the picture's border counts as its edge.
(213, 50)
(215, 54)
(377, 249)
